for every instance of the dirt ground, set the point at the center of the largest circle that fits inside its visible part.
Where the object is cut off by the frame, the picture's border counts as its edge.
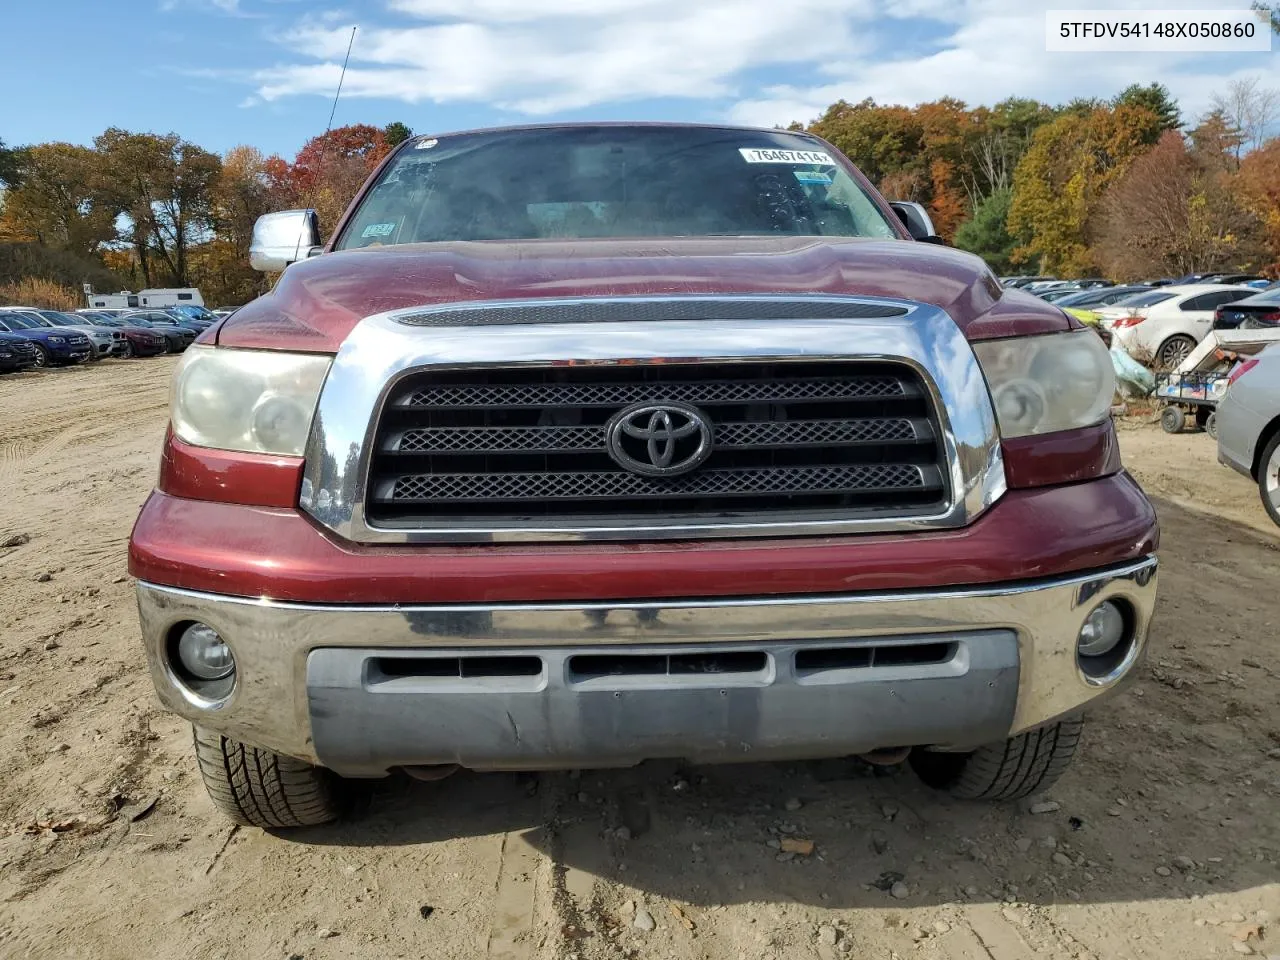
(1165, 843)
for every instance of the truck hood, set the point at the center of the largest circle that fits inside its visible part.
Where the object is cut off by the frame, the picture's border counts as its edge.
(317, 302)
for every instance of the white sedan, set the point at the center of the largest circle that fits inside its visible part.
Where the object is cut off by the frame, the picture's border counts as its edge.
(1164, 325)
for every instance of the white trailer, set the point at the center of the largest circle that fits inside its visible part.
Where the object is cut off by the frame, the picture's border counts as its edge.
(154, 298)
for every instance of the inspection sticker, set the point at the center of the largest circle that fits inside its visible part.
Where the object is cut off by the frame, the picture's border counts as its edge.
(754, 155)
(426, 144)
(812, 176)
(378, 230)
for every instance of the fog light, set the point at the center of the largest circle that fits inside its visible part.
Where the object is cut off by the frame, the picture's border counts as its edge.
(204, 654)
(1102, 630)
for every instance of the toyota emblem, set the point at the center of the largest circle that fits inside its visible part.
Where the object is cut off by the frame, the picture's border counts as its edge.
(659, 439)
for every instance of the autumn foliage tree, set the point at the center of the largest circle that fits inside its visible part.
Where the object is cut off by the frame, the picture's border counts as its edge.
(1064, 175)
(1175, 211)
(330, 168)
(61, 200)
(163, 184)
(1259, 186)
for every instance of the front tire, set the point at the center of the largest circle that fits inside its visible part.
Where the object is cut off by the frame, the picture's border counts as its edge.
(1172, 420)
(1269, 478)
(1020, 766)
(259, 788)
(127, 352)
(43, 360)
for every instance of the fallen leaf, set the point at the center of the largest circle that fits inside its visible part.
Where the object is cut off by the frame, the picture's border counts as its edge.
(1244, 933)
(145, 810)
(796, 845)
(680, 915)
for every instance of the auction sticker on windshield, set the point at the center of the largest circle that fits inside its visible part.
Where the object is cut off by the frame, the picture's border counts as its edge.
(756, 155)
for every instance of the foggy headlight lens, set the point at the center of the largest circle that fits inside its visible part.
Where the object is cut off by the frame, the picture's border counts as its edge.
(258, 401)
(1041, 384)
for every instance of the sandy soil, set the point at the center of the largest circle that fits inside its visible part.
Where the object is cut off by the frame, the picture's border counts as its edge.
(1166, 844)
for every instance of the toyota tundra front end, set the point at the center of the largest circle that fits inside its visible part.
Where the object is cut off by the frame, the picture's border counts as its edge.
(579, 446)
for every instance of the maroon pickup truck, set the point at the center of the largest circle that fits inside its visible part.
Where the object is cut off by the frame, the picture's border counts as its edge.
(581, 445)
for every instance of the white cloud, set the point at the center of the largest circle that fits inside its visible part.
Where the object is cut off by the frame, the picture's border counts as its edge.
(568, 54)
(996, 50)
(230, 7)
(551, 56)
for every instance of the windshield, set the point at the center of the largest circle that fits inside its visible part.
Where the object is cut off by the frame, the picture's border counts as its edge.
(15, 322)
(617, 181)
(1073, 299)
(61, 319)
(1271, 296)
(1144, 299)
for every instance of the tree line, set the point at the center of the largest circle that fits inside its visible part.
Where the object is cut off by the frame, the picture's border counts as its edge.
(156, 210)
(1125, 188)
(1121, 187)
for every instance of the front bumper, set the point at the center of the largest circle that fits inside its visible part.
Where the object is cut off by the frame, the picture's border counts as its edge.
(362, 689)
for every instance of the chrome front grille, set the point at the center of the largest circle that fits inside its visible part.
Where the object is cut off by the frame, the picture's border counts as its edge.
(532, 443)
(498, 421)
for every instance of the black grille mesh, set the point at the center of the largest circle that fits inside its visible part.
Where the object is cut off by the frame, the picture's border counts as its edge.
(620, 394)
(614, 485)
(530, 445)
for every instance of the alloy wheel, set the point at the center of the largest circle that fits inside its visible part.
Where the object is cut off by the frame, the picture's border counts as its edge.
(1175, 350)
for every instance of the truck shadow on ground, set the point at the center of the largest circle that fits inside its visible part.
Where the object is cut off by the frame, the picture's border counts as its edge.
(1173, 794)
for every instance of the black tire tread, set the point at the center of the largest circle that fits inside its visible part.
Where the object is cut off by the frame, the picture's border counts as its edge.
(1020, 766)
(1264, 458)
(259, 788)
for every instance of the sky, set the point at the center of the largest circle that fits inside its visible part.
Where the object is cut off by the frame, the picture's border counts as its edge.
(264, 72)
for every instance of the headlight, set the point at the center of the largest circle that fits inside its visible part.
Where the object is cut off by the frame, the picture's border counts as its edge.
(1060, 381)
(57, 339)
(258, 401)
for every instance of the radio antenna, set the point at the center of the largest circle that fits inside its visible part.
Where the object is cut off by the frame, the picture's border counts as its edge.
(342, 76)
(324, 154)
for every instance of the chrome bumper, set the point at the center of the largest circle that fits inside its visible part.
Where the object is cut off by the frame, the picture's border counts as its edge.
(363, 689)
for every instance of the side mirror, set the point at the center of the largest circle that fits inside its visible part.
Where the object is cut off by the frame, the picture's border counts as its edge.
(917, 221)
(280, 239)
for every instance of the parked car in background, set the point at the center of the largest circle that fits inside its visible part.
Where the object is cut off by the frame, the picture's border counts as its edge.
(101, 341)
(193, 311)
(1056, 294)
(164, 317)
(1260, 310)
(1249, 425)
(1018, 283)
(1165, 325)
(107, 341)
(1233, 279)
(140, 340)
(177, 338)
(54, 347)
(1099, 296)
(16, 353)
(187, 320)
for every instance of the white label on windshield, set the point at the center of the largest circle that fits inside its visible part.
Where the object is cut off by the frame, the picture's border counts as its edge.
(753, 155)
(379, 230)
